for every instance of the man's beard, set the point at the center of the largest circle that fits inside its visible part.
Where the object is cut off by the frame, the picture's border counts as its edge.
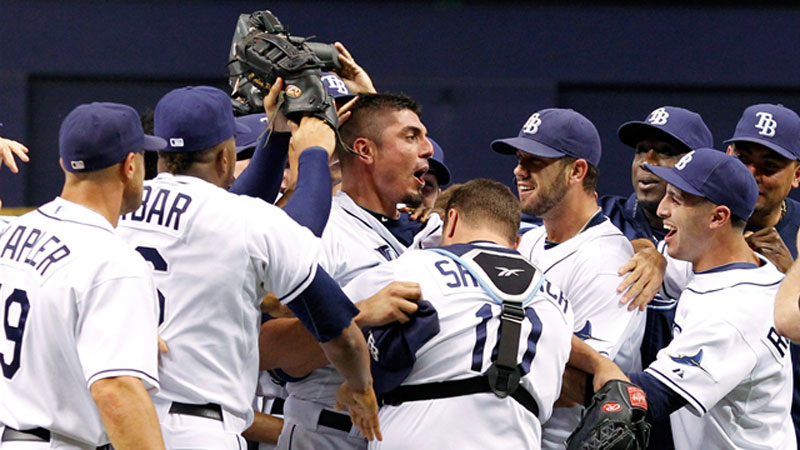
(413, 200)
(548, 197)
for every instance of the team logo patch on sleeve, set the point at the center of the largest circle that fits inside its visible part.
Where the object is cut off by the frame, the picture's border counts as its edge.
(691, 360)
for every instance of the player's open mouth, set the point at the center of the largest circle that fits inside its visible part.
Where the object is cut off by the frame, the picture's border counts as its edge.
(671, 233)
(419, 174)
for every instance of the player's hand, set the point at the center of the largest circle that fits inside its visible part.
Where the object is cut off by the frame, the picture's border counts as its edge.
(421, 213)
(646, 269)
(344, 112)
(162, 348)
(605, 372)
(312, 132)
(394, 303)
(770, 244)
(277, 121)
(272, 306)
(8, 149)
(363, 409)
(356, 78)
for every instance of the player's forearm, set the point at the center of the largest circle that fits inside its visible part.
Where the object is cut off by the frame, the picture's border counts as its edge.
(127, 413)
(583, 357)
(287, 345)
(265, 428)
(348, 353)
(787, 305)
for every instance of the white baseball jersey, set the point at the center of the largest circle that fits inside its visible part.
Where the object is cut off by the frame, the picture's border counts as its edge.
(728, 362)
(585, 267)
(468, 322)
(80, 306)
(215, 255)
(354, 240)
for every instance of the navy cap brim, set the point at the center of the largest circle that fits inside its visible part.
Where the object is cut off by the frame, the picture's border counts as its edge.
(441, 172)
(670, 176)
(631, 133)
(769, 144)
(510, 146)
(153, 143)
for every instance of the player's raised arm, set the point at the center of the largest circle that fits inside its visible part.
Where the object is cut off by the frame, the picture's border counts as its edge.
(787, 304)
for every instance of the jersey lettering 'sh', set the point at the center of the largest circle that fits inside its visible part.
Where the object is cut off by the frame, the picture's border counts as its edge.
(766, 124)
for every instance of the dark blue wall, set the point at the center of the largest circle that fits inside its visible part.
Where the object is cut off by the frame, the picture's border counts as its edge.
(479, 70)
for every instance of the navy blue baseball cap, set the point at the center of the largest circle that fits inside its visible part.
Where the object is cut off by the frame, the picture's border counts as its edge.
(436, 162)
(555, 133)
(713, 175)
(678, 123)
(336, 86)
(773, 126)
(98, 135)
(246, 141)
(195, 118)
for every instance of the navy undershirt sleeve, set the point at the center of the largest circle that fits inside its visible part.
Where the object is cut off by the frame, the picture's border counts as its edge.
(310, 204)
(323, 308)
(661, 400)
(262, 178)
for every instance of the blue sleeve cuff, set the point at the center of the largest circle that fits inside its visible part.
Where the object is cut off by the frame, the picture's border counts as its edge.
(394, 346)
(262, 177)
(661, 400)
(310, 204)
(323, 308)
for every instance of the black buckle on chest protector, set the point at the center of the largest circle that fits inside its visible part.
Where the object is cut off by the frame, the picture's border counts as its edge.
(504, 374)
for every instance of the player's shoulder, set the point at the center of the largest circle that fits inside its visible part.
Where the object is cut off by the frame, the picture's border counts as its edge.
(737, 291)
(603, 242)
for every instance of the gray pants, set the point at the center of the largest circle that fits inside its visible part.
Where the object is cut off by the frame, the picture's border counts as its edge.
(304, 428)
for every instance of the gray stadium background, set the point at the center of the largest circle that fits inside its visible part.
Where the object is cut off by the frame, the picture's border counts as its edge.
(479, 69)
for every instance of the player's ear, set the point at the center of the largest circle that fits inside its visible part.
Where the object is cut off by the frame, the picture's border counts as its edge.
(579, 170)
(729, 150)
(366, 148)
(451, 223)
(720, 216)
(128, 167)
(796, 179)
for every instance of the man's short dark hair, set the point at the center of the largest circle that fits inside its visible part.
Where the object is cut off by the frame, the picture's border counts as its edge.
(484, 201)
(366, 119)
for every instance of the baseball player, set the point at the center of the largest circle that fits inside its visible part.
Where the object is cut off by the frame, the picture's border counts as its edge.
(432, 370)
(767, 141)
(210, 294)
(578, 248)
(384, 166)
(726, 374)
(661, 139)
(79, 341)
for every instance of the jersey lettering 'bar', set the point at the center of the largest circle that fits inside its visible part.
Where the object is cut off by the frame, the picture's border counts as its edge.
(165, 209)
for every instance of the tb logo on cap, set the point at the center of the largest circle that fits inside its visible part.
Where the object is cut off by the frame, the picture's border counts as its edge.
(766, 124)
(684, 161)
(532, 125)
(658, 116)
(336, 83)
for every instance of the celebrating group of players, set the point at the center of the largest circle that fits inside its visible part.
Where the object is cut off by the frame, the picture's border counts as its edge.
(189, 311)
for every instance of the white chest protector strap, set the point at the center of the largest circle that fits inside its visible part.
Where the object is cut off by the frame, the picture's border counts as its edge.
(511, 281)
